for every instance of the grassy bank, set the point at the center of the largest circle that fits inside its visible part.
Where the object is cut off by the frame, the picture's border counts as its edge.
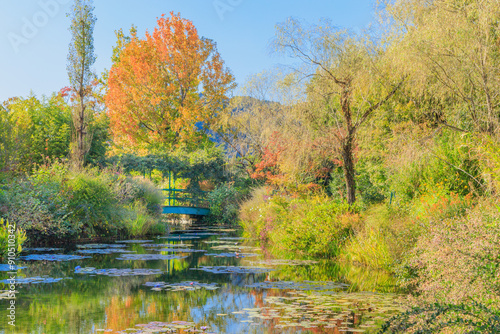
(58, 204)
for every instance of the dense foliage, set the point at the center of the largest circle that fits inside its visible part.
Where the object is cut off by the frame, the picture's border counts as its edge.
(196, 166)
(162, 87)
(377, 152)
(425, 162)
(225, 200)
(313, 226)
(58, 204)
(33, 130)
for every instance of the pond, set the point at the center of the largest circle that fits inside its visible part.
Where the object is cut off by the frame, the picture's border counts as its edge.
(195, 280)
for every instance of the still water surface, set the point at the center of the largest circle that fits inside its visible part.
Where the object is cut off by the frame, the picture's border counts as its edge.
(196, 280)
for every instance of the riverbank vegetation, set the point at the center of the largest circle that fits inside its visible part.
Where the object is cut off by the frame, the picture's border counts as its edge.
(418, 180)
(55, 203)
(375, 150)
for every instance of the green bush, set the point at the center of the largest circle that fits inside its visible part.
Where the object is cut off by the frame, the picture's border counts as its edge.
(56, 203)
(369, 248)
(371, 182)
(224, 204)
(90, 200)
(139, 222)
(41, 211)
(457, 259)
(446, 163)
(316, 227)
(312, 226)
(138, 188)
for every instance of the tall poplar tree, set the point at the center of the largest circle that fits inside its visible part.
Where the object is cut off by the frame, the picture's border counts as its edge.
(80, 60)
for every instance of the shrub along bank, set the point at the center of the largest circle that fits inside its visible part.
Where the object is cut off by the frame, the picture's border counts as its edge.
(442, 248)
(293, 226)
(56, 203)
(225, 200)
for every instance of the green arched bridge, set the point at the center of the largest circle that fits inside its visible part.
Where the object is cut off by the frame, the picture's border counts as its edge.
(181, 201)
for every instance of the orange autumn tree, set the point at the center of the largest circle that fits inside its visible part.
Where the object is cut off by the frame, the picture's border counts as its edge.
(161, 87)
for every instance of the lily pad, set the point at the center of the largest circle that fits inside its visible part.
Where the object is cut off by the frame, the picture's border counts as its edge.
(34, 280)
(221, 242)
(179, 237)
(233, 270)
(149, 257)
(166, 245)
(235, 248)
(133, 241)
(94, 246)
(53, 257)
(8, 267)
(306, 285)
(348, 312)
(42, 249)
(182, 286)
(235, 254)
(103, 251)
(181, 250)
(118, 272)
(167, 327)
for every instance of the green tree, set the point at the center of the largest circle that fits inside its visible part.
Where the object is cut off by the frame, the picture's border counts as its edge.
(6, 142)
(34, 130)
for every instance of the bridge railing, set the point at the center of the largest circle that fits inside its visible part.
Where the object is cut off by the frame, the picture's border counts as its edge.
(182, 197)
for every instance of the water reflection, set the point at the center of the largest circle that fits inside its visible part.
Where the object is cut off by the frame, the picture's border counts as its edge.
(89, 300)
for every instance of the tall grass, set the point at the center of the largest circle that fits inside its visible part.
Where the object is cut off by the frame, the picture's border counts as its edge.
(140, 222)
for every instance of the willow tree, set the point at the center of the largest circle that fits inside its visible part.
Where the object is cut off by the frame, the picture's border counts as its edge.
(80, 60)
(345, 84)
(451, 51)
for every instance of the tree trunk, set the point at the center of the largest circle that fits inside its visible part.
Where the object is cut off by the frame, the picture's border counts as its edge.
(80, 148)
(347, 144)
(348, 160)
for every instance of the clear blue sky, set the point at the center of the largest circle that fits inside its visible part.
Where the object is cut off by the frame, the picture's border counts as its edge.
(34, 34)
